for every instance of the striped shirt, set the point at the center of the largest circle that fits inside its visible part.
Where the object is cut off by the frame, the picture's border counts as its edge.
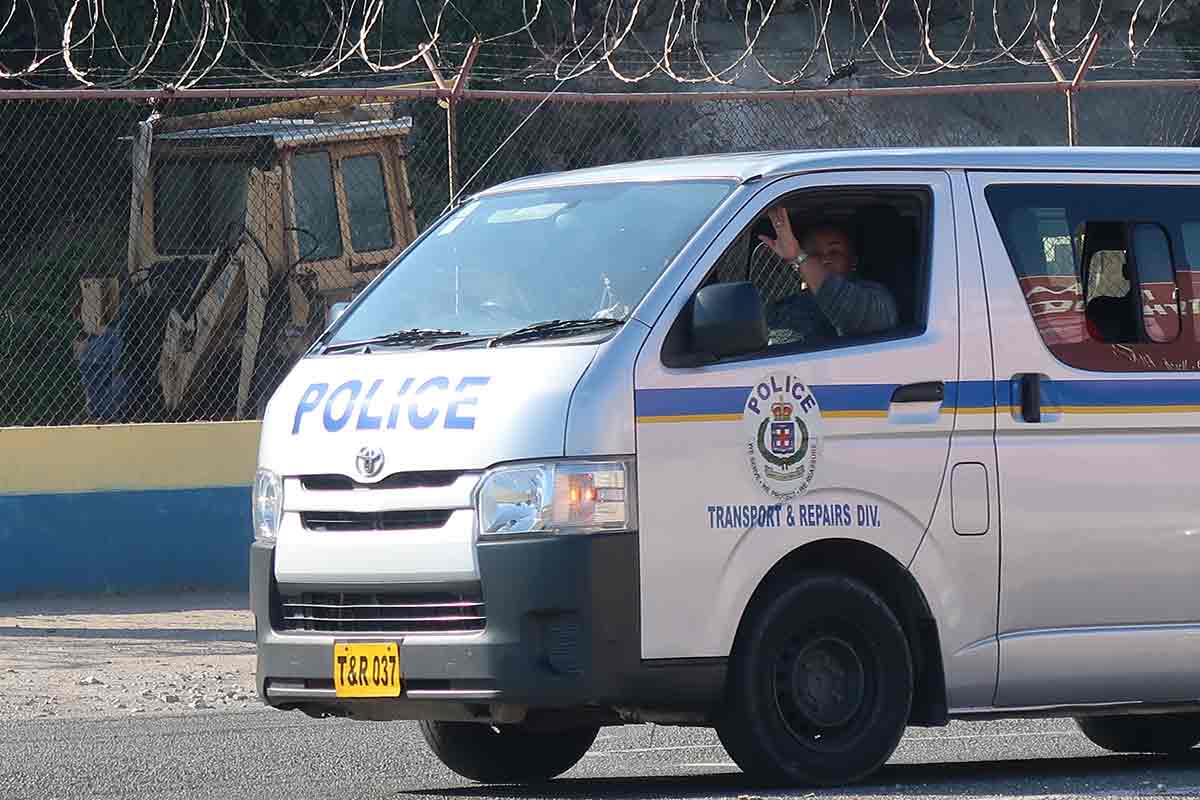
(841, 307)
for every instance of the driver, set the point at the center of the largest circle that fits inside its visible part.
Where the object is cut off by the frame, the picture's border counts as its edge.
(835, 301)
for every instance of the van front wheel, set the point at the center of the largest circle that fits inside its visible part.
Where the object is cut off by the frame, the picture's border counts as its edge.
(1151, 733)
(506, 753)
(820, 684)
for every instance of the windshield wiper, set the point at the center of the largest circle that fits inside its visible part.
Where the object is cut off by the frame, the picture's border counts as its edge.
(397, 337)
(555, 327)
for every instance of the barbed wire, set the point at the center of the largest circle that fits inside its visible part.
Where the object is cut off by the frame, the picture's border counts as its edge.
(630, 40)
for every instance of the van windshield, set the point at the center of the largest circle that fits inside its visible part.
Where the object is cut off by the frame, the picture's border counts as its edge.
(506, 261)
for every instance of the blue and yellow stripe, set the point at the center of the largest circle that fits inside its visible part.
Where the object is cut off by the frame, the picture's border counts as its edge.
(126, 507)
(872, 400)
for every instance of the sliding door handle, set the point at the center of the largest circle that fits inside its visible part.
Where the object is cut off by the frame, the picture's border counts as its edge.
(928, 392)
(1031, 397)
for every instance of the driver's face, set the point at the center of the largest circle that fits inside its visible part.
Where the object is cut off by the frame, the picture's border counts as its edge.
(831, 248)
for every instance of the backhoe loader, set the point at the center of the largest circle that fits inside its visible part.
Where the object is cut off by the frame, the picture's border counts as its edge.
(246, 227)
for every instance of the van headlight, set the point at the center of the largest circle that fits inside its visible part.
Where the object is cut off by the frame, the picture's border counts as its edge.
(267, 504)
(557, 497)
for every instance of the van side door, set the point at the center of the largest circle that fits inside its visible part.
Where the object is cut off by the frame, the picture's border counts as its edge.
(1096, 432)
(743, 460)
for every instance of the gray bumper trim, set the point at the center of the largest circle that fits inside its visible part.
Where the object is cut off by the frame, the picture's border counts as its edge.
(562, 632)
(290, 691)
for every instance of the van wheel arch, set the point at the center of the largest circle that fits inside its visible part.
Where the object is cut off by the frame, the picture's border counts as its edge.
(895, 585)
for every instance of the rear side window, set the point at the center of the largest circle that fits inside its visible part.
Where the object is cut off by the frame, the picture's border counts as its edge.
(1106, 271)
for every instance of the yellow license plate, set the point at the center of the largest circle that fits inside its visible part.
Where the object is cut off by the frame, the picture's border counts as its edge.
(366, 669)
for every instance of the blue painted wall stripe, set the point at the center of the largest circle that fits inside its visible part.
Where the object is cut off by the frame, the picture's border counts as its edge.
(125, 540)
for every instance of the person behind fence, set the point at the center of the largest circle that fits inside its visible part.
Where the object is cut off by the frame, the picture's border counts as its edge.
(835, 301)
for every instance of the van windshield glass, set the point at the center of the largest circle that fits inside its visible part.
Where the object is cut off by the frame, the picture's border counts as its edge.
(503, 262)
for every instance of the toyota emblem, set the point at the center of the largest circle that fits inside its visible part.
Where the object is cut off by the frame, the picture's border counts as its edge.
(369, 461)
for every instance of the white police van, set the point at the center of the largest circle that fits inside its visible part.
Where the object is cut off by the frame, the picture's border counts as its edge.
(550, 471)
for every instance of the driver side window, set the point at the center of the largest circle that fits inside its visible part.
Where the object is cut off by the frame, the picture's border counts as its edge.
(834, 267)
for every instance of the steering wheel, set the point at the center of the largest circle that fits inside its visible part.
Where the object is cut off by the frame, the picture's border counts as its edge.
(502, 313)
(493, 309)
(315, 240)
(232, 234)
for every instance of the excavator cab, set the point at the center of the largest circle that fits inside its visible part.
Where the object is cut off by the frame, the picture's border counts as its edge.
(246, 228)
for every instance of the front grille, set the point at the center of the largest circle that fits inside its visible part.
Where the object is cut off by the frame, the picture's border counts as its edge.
(373, 521)
(429, 479)
(401, 613)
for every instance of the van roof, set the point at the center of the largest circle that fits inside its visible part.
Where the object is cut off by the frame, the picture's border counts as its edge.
(744, 166)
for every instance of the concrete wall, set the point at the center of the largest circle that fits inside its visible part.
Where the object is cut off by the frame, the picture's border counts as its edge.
(121, 508)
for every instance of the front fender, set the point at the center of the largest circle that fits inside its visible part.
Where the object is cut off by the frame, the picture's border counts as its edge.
(757, 552)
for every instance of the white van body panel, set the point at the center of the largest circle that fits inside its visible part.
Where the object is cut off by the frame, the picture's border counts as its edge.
(601, 415)
(1100, 536)
(885, 459)
(444, 554)
(958, 573)
(456, 410)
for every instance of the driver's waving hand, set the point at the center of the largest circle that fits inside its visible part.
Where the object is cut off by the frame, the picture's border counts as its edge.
(835, 302)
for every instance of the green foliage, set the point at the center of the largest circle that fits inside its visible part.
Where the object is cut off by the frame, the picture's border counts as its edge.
(38, 368)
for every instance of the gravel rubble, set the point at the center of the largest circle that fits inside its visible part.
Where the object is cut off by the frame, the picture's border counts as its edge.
(117, 656)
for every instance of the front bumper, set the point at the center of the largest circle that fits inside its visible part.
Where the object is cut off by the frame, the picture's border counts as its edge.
(561, 632)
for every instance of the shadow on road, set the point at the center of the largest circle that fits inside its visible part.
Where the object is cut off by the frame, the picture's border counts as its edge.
(132, 634)
(133, 603)
(999, 778)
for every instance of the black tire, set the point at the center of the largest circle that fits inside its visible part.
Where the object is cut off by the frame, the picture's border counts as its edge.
(834, 638)
(506, 753)
(1152, 733)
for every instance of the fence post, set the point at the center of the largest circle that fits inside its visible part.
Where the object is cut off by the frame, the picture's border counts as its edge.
(1062, 81)
(460, 83)
(452, 147)
(451, 124)
(1076, 83)
(1071, 88)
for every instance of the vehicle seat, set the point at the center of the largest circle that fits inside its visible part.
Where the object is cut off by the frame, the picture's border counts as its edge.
(887, 245)
(1109, 318)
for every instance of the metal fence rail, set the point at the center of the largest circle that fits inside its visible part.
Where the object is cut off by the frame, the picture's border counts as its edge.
(173, 269)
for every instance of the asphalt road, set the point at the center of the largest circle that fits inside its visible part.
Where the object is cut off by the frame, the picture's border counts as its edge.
(259, 753)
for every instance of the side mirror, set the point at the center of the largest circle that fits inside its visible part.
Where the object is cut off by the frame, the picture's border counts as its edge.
(728, 320)
(335, 311)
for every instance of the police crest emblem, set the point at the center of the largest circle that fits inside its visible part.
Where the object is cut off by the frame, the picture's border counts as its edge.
(783, 423)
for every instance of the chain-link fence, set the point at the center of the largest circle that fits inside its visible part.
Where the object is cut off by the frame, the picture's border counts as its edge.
(173, 268)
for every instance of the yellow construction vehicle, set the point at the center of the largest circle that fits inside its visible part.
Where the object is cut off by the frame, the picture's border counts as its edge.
(246, 227)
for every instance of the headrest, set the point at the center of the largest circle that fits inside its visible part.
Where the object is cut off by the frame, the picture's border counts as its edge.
(884, 238)
(1100, 236)
(1104, 236)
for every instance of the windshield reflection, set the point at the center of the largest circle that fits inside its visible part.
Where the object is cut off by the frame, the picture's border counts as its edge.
(507, 261)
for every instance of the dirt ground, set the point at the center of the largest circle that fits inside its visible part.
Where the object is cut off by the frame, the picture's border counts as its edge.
(97, 657)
